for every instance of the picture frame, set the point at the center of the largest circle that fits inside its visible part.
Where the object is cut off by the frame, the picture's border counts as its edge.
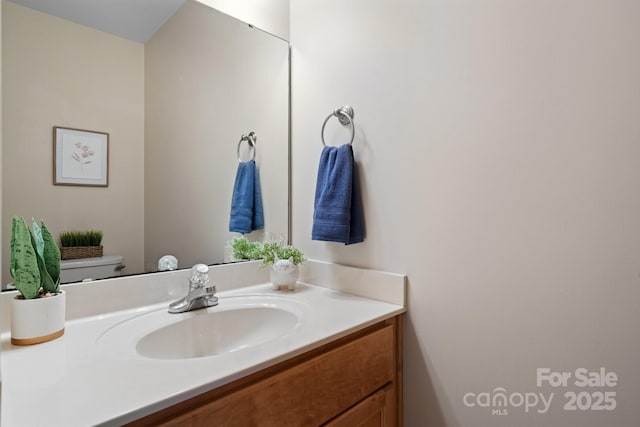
(80, 157)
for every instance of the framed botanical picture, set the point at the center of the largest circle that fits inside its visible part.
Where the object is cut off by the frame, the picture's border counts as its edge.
(80, 157)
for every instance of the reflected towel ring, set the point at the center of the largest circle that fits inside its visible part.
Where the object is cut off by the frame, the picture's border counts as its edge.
(345, 116)
(251, 139)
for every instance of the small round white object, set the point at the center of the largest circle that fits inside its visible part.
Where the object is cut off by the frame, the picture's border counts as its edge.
(201, 268)
(168, 263)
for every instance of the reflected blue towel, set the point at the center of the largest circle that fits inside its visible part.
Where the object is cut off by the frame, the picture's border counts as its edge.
(338, 215)
(246, 202)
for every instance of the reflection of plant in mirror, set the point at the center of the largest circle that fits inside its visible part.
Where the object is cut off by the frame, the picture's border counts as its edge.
(267, 252)
(70, 239)
(244, 249)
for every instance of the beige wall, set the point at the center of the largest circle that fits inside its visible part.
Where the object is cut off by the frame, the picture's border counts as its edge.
(2, 235)
(57, 73)
(500, 162)
(223, 80)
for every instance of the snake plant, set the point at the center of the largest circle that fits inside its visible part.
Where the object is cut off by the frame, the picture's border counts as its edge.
(35, 259)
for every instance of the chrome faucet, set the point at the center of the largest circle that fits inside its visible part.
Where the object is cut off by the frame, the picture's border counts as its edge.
(200, 295)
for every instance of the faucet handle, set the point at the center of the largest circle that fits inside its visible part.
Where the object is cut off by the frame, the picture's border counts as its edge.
(199, 275)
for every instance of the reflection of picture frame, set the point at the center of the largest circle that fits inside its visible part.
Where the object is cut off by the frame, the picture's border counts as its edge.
(80, 157)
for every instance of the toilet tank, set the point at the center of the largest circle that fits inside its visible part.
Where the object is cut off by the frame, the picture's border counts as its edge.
(77, 270)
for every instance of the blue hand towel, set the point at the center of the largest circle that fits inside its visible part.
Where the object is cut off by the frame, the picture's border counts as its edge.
(246, 202)
(338, 215)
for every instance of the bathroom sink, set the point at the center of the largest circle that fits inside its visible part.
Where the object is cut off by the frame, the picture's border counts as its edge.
(234, 325)
(210, 333)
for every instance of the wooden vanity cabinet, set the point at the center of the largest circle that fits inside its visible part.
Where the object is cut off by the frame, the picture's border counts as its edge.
(353, 381)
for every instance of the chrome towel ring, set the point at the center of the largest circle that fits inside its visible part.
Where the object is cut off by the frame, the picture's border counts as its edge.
(251, 139)
(345, 117)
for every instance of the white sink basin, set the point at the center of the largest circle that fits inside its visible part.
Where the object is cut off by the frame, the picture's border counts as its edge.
(235, 324)
(208, 333)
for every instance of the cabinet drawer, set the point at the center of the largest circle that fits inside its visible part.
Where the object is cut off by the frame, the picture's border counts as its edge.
(309, 393)
(375, 411)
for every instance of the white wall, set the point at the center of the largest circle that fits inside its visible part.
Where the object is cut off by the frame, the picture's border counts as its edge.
(269, 15)
(500, 158)
(58, 73)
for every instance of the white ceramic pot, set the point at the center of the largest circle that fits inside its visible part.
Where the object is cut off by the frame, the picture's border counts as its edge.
(284, 277)
(38, 320)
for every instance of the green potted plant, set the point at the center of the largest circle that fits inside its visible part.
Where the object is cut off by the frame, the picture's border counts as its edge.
(80, 244)
(283, 260)
(38, 312)
(283, 264)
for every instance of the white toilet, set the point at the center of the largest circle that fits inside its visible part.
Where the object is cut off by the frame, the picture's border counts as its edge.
(77, 270)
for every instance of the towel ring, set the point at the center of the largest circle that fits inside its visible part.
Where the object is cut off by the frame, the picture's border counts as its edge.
(345, 117)
(251, 139)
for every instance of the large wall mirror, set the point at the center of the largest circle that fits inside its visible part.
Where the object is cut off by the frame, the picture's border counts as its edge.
(175, 105)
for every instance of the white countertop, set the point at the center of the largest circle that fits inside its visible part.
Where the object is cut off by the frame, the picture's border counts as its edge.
(73, 381)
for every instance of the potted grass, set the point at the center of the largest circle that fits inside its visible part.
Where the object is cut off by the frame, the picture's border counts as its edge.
(283, 264)
(38, 312)
(282, 260)
(80, 244)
